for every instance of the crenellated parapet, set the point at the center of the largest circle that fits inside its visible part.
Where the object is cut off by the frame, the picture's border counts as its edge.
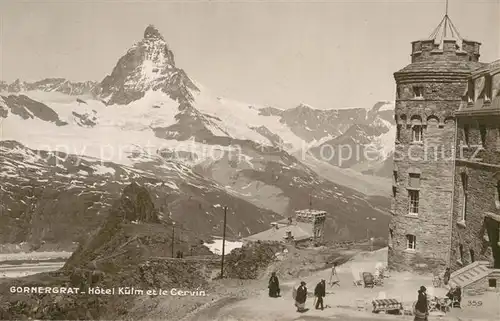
(446, 49)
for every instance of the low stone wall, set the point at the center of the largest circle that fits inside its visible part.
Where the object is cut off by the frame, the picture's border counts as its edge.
(414, 262)
(482, 286)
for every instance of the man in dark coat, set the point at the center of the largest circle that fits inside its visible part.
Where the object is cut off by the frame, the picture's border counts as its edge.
(274, 286)
(446, 277)
(301, 297)
(319, 293)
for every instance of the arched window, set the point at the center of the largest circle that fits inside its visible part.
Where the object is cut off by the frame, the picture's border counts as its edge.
(416, 129)
(432, 121)
(417, 133)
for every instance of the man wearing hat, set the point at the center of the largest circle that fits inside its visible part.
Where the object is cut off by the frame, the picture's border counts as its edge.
(319, 293)
(301, 297)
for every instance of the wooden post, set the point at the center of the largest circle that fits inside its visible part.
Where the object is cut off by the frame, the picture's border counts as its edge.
(173, 237)
(223, 243)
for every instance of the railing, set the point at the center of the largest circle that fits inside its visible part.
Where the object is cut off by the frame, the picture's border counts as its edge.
(188, 258)
(468, 268)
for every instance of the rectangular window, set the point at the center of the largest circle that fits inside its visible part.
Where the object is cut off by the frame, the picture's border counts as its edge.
(482, 131)
(418, 91)
(411, 242)
(466, 134)
(470, 92)
(417, 132)
(492, 283)
(472, 258)
(398, 133)
(461, 249)
(487, 88)
(413, 196)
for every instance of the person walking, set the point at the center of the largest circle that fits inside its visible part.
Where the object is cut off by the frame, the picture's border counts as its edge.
(422, 306)
(446, 276)
(319, 293)
(274, 286)
(301, 297)
(334, 279)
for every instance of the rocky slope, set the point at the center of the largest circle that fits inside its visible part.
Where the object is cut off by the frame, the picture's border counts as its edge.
(364, 146)
(60, 198)
(125, 252)
(131, 232)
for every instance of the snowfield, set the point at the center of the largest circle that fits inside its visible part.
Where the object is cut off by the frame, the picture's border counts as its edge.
(120, 135)
(216, 247)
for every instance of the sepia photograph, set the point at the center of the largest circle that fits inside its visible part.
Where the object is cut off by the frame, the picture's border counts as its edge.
(250, 160)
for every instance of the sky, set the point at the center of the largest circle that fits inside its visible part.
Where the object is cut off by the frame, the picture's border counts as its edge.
(328, 54)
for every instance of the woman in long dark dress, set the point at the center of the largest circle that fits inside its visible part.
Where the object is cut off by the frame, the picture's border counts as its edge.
(274, 286)
(422, 307)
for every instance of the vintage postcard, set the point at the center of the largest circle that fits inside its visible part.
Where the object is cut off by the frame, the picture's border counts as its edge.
(257, 160)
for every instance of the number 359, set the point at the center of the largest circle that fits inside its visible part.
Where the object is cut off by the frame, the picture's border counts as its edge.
(474, 303)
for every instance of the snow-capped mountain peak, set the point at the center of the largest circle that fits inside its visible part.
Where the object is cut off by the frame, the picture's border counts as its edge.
(148, 65)
(152, 32)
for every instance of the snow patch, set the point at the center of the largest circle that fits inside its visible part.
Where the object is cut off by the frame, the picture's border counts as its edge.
(103, 170)
(216, 246)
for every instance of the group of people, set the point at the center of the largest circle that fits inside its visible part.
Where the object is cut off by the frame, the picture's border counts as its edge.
(300, 296)
(422, 305)
(300, 293)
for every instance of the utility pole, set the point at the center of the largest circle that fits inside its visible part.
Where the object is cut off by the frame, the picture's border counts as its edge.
(223, 243)
(173, 235)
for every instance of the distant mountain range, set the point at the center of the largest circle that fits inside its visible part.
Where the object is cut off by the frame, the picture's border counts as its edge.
(80, 143)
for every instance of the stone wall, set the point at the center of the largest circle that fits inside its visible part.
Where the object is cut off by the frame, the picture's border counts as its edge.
(482, 286)
(431, 91)
(477, 233)
(433, 159)
(430, 50)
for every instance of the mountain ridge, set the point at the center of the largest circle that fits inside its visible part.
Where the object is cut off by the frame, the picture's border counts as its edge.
(160, 128)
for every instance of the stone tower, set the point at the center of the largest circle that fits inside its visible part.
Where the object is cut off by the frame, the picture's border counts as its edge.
(428, 92)
(317, 221)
